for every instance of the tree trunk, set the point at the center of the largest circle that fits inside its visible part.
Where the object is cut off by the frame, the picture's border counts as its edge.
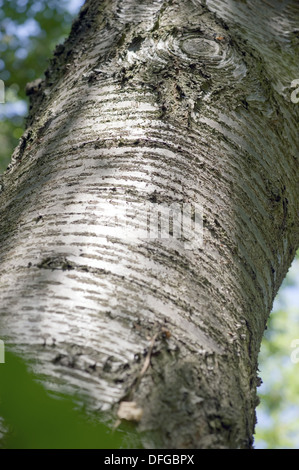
(156, 102)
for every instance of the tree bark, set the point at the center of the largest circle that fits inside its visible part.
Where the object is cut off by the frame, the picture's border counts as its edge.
(166, 101)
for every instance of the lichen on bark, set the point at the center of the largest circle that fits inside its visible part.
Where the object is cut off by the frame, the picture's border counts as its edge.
(164, 101)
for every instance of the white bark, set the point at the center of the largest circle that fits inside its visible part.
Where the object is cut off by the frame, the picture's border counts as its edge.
(156, 102)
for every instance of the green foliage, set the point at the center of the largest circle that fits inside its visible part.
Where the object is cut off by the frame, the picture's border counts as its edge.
(36, 420)
(278, 413)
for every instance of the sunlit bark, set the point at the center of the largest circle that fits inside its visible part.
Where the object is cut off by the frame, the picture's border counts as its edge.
(156, 102)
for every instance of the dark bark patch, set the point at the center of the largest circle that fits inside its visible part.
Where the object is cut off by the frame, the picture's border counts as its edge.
(136, 44)
(56, 262)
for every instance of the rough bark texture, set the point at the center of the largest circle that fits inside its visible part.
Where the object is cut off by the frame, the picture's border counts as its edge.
(156, 101)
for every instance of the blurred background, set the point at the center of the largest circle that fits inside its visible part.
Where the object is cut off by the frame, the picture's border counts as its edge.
(29, 32)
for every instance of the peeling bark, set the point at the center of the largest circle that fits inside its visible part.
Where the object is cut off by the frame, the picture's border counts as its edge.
(156, 102)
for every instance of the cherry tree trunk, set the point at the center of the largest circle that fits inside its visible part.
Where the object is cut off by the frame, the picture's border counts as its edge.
(148, 104)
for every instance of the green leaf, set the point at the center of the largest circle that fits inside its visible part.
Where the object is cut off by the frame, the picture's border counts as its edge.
(36, 420)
